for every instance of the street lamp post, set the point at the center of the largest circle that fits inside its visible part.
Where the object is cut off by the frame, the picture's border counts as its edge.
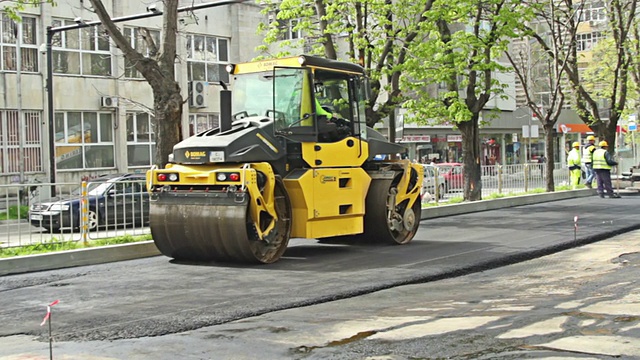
(530, 135)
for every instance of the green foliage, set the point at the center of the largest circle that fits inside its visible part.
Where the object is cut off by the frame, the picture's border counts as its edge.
(51, 246)
(120, 240)
(465, 60)
(392, 30)
(15, 212)
(55, 245)
(599, 77)
(12, 10)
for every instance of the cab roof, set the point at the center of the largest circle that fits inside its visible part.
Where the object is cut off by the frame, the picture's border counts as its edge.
(314, 62)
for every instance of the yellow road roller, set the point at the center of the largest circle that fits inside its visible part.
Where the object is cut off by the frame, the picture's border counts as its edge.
(292, 157)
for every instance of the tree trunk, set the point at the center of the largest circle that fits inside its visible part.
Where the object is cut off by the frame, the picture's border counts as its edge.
(159, 73)
(610, 134)
(168, 108)
(549, 162)
(471, 159)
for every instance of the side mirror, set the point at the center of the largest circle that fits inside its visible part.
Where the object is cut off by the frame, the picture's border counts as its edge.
(111, 192)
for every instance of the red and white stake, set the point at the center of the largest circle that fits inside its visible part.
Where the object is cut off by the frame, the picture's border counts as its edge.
(44, 321)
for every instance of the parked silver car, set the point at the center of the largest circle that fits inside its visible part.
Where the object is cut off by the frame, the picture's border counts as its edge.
(431, 182)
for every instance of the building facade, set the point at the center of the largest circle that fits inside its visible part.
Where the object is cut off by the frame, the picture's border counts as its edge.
(102, 107)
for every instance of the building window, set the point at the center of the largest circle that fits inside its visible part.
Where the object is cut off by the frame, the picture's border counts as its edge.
(141, 141)
(286, 28)
(592, 11)
(586, 42)
(202, 121)
(137, 38)
(9, 40)
(84, 140)
(207, 58)
(10, 142)
(81, 52)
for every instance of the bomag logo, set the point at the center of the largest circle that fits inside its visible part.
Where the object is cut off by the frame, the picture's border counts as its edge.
(195, 154)
(326, 179)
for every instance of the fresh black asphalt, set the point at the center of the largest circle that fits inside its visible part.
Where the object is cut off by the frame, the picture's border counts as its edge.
(156, 296)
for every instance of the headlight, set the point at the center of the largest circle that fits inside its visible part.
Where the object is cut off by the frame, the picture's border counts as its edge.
(59, 207)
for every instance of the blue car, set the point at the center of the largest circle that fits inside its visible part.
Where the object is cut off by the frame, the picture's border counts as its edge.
(112, 201)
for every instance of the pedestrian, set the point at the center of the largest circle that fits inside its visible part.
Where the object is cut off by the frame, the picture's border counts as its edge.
(587, 160)
(602, 163)
(573, 161)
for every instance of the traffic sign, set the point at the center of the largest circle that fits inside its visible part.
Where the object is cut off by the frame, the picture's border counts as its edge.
(632, 126)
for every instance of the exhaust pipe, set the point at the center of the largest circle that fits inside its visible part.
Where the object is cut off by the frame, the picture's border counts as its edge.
(225, 108)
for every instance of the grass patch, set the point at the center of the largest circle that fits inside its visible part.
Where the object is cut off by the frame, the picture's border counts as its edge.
(55, 245)
(15, 212)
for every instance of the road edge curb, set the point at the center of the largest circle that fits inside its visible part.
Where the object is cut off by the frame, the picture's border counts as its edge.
(506, 202)
(80, 257)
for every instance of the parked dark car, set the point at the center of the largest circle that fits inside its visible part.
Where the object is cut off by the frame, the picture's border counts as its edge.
(112, 200)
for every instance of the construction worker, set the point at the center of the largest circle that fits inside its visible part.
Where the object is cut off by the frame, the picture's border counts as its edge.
(573, 161)
(587, 161)
(602, 163)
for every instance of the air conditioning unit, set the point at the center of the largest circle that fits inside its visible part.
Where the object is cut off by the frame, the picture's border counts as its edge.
(109, 101)
(197, 94)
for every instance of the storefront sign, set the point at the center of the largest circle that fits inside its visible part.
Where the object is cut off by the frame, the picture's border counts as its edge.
(415, 138)
(454, 138)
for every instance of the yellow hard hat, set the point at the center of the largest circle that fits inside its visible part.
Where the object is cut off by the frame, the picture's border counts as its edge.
(575, 144)
(603, 144)
(591, 138)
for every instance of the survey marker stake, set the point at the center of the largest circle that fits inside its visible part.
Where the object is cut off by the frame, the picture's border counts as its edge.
(44, 321)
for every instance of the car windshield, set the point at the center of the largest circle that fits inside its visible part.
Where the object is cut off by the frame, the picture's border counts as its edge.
(444, 168)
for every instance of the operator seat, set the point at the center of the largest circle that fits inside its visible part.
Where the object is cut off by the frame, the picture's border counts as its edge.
(327, 129)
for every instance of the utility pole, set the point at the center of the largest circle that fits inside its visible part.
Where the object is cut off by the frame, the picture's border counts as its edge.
(21, 124)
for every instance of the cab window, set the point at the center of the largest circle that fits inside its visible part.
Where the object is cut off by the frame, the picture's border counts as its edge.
(292, 98)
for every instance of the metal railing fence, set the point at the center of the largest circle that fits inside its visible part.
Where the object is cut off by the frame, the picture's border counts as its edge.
(79, 212)
(96, 210)
(506, 180)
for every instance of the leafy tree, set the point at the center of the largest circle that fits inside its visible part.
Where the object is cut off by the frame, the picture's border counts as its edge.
(372, 32)
(459, 48)
(407, 47)
(546, 38)
(621, 19)
(159, 73)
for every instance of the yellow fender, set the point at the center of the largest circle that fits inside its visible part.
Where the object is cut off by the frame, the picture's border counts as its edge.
(260, 201)
(404, 192)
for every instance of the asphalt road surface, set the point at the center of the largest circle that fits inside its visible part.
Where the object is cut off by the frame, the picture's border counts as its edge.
(156, 297)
